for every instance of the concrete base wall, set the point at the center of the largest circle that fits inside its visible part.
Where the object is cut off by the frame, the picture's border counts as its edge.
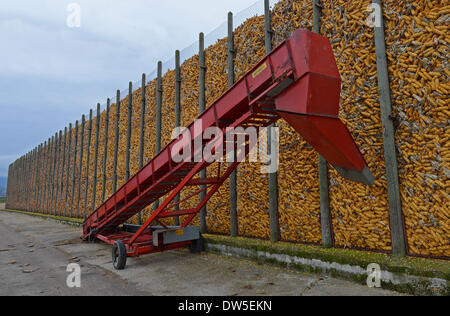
(392, 280)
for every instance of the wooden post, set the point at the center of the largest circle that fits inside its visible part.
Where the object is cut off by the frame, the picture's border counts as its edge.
(13, 187)
(37, 181)
(52, 174)
(399, 245)
(234, 229)
(97, 135)
(66, 194)
(27, 178)
(8, 186)
(38, 172)
(159, 96)
(80, 172)
(201, 108)
(325, 215)
(45, 184)
(22, 177)
(40, 180)
(142, 134)
(177, 117)
(30, 178)
(58, 171)
(41, 177)
(63, 168)
(273, 177)
(19, 182)
(50, 184)
(88, 156)
(54, 182)
(116, 146)
(28, 164)
(50, 177)
(130, 113)
(74, 169)
(11, 195)
(31, 175)
(44, 178)
(35, 178)
(16, 183)
(24, 182)
(20, 196)
(30, 181)
(105, 152)
(44, 191)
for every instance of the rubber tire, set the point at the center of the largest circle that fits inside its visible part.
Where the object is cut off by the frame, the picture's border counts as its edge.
(197, 246)
(119, 255)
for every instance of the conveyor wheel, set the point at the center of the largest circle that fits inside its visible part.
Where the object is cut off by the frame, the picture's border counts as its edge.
(119, 255)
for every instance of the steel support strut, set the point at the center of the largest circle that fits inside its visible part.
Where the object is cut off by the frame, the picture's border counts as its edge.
(174, 193)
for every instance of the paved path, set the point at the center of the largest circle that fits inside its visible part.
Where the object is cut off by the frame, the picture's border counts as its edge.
(34, 254)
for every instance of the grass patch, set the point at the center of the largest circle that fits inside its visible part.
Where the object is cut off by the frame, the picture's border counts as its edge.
(69, 220)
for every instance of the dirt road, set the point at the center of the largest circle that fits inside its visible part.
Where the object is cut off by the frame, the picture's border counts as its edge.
(34, 254)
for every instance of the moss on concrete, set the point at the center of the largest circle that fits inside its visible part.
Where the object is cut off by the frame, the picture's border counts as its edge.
(411, 266)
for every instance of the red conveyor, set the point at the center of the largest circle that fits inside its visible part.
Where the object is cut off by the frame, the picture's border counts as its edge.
(298, 81)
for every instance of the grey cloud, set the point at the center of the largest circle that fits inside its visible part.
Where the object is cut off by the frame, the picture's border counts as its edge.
(51, 74)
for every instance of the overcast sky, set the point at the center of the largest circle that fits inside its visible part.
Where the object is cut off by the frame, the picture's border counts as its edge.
(50, 73)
